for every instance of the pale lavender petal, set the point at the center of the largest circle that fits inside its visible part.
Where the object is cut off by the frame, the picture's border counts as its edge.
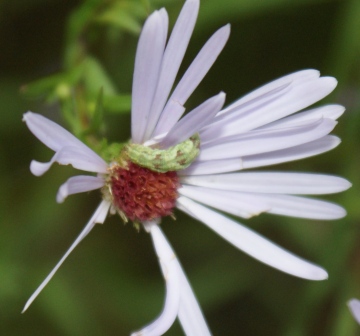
(75, 156)
(300, 207)
(51, 134)
(193, 76)
(328, 111)
(278, 204)
(173, 56)
(56, 137)
(190, 316)
(299, 97)
(272, 182)
(354, 306)
(214, 129)
(233, 203)
(146, 72)
(171, 273)
(306, 150)
(252, 243)
(78, 184)
(98, 217)
(273, 87)
(212, 167)
(263, 141)
(312, 148)
(194, 121)
(176, 110)
(165, 24)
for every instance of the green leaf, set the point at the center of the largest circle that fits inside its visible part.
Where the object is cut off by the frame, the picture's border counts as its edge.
(121, 19)
(95, 77)
(54, 86)
(77, 24)
(97, 119)
(125, 15)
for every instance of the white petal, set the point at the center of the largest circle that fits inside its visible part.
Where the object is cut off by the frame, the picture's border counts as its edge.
(233, 203)
(299, 97)
(173, 56)
(328, 111)
(306, 150)
(253, 244)
(98, 217)
(146, 72)
(285, 205)
(171, 273)
(212, 167)
(78, 184)
(270, 89)
(51, 134)
(190, 316)
(275, 183)
(75, 156)
(194, 121)
(193, 76)
(301, 207)
(214, 129)
(354, 306)
(175, 110)
(70, 150)
(262, 141)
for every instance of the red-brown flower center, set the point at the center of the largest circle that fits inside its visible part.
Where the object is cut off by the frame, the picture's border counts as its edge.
(142, 194)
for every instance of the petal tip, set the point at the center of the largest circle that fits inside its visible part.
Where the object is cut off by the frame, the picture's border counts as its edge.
(38, 168)
(319, 275)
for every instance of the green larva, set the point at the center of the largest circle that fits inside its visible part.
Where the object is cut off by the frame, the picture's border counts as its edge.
(163, 160)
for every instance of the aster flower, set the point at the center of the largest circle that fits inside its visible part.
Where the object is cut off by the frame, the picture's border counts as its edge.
(354, 306)
(195, 162)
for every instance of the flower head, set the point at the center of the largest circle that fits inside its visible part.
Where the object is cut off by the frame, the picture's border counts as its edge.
(196, 162)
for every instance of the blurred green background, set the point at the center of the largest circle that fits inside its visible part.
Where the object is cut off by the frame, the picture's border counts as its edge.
(111, 284)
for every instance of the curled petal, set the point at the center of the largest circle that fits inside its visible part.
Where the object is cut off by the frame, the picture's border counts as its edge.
(252, 243)
(75, 156)
(78, 184)
(171, 273)
(56, 138)
(98, 217)
(51, 134)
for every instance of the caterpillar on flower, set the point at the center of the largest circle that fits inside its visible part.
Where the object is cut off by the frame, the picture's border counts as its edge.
(175, 158)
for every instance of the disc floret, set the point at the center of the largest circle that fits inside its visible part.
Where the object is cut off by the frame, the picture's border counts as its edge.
(140, 194)
(142, 182)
